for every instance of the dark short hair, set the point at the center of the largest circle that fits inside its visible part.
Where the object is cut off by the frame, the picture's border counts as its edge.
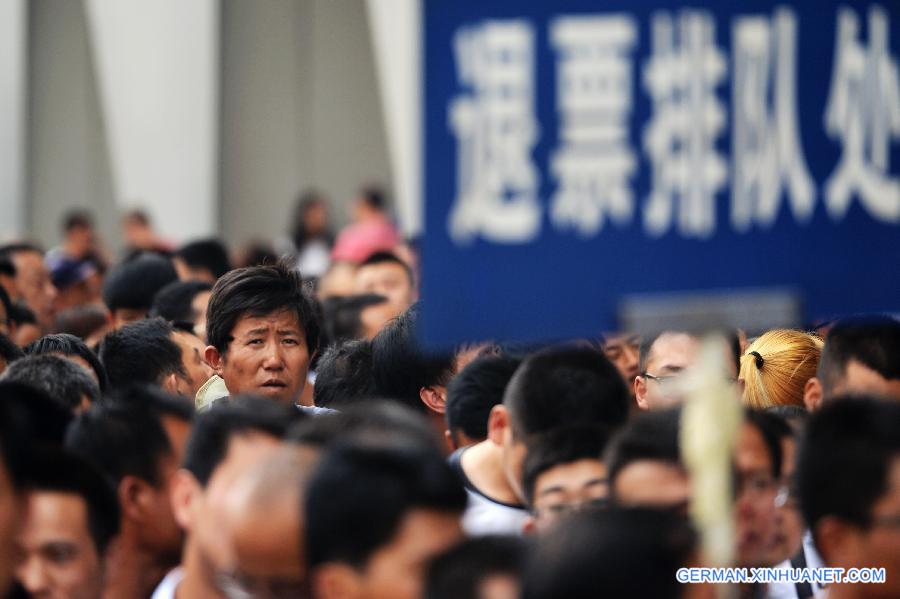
(61, 472)
(62, 379)
(374, 196)
(258, 291)
(82, 321)
(770, 427)
(342, 315)
(141, 352)
(845, 458)
(873, 341)
(69, 345)
(474, 391)
(358, 496)
(133, 284)
(6, 301)
(632, 552)
(383, 257)
(565, 385)
(213, 430)
(173, 302)
(344, 375)
(77, 219)
(21, 314)
(209, 254)
(648, 436)
(125, 435)
(9, 351)
(459, 572)
(6, 266)
(401, 366)
(563, 445)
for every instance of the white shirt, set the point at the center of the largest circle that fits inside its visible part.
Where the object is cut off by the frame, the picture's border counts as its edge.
(483, 515)
(166, 587)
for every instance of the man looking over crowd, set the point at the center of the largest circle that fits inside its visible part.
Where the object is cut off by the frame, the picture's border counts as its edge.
(32, 281)
(385, 274)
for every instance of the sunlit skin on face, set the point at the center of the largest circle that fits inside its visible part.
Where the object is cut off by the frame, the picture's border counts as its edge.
(671, 354)
(60, 560)
(267, 356)
(562, 487)
(192, 358)
(652, 483)
(388, 279)
(755, 504)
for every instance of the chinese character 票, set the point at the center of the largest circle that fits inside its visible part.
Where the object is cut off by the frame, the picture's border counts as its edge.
(863, 111)
(681, 78)
(594, 164)
(767, 153)
(496, 130)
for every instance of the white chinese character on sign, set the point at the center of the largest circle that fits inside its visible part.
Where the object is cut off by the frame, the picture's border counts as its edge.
(681, 78)
(766, 149)
(595, 162)
(496, 130)
(863, 111)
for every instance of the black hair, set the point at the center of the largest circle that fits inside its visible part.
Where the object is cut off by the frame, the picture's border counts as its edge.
(770, 427)
(845, 458)
(173, 302)
(648, 436)
(305, 201)
(21, 314)
(342, 315)
(358, 496)
(82, 321)
(565, 385)
(563, 445)
(213, 430)
(631, 552)
(459, 572)
(11, 249)
(69, 345)
(209, 254)
(141, 352)
(61, 472)
(258, 291)
(125, 436)
(7, 267)
(873, 341)
(344, 375)
(7, 303)
(9, 351)
(383, 257)
(374, 196)
(401, 366)
(133, 284)
(77, 219)
(62, 379)
(474, 391)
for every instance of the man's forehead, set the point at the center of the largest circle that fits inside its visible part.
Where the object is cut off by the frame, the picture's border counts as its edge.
(678, 348)
(283, 318)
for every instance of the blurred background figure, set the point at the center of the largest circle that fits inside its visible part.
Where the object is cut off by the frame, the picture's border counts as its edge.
(138, 235)
(129, 289)
(183, 303)
(32, 284)
(311, 236)
(624, 350)
(370, 230)
(201, 260)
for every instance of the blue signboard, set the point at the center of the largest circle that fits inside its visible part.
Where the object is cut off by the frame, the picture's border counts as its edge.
(580, 152)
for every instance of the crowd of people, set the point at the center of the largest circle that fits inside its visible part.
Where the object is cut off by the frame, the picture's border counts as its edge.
(190, 423)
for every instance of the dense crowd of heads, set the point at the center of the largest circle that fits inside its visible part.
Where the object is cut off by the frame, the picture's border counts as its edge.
(189, 423)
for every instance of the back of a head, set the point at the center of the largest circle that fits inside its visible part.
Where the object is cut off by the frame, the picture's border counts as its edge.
(206, 254)
(31, 420)
(566, 385)
(141, 352)
(173, 302)
(358, 497)
(611, 553)
(475, 390)
(845, 458)
(460, 572)
(648, 436)
(61, 379)
(873, 341)
(776, 367)
(69, 345)
(133, 284)
(344, 375)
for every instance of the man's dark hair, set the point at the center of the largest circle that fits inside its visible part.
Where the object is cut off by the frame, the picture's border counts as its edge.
(125, 436)
(7, 267)
(401, 366)
(563, 445)
(648, 436)
(388, 258)
(9, 351)
(258, 291)
(6, 301)
(213, 430)
(141, 352)
(873, 341)
(631, 552)
(845, 458)
(69, 345)
(77, 219)
(373, 196)
(20, 314)
(770, 427)
(82, 321)
(133, 284)
(474, 391)
(344, 375)
(173, 302)
(565, 385)
(60, 472)
(209, 254)
(63, 380)
(343, 315)
(460, 572)
(9, 250)
(358, 496)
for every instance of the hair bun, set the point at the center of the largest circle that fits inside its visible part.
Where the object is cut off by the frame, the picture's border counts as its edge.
(759, 359)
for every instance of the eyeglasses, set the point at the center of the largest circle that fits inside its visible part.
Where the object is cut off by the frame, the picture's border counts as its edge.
(559, 509)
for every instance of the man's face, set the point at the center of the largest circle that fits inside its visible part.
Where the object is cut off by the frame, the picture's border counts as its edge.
(669, 356)
(267, 356)
(374, 317)
(755, 505)
(33, 282)
(623, 350)
(397, 570)
(388, 279)
(9, 518)
(859, 379)
(60, 560)
(654, 484)
(192, 358)
(565, 487)
(878, 544)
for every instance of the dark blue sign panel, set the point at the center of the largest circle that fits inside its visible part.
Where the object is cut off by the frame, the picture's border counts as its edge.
(578, 152)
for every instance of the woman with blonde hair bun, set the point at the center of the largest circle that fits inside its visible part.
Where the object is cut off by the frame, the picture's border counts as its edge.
(776, 366)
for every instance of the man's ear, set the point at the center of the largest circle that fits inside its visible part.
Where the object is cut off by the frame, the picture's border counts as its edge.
(170, 384)
(134, 498)
(640, 392)
(530, 526)
(812, 394)
(184, 495)
(433, 399)
(838, 541)
(215, 360)
(336, 581)
(498, 422)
